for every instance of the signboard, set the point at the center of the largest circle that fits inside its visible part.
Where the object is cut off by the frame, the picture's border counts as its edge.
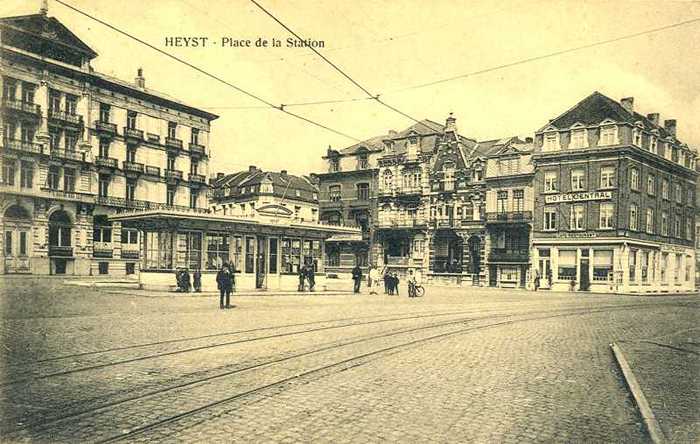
(578, 197)
(577, 234)
(673, 249)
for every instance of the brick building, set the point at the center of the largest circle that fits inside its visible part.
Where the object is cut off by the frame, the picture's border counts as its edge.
(78, 147)
(615, 201)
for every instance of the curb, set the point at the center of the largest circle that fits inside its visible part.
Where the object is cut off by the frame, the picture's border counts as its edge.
(650, 421)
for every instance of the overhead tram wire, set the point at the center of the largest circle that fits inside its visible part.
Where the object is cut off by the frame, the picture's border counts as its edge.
(208, 74)
(343, 73)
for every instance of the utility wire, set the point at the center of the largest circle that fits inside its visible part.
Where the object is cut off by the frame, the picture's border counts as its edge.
(325, 59)
(206, 73)
(287, 105)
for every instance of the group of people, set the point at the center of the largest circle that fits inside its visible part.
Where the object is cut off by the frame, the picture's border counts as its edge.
(390, 279)
(185, 284)
(307, 274)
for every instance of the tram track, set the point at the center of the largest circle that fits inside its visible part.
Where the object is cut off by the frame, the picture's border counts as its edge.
(529, 316)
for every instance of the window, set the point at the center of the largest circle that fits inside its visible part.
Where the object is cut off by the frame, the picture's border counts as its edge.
(291, 255)
(653, 144)
(550, 218)
(567, 265)
(217, 251)
(602, 265)
(650, 221)
(104, 147)
(362, 161)
(550, 182)
(690, 197)
(651, 185)
(334, 165)
(194, 167)
(363, 191)
(577, 180)
(11, 128)
(8, 243)
(634, 217)
(578, 139)
(634, 179)
(664, 223)
(689, 228)
(633, 264)
(237, 260)
(170, 163)
(678, 193)
(170, 196)
(27, 133)
(576, 218)
(607, 177)
(70, 140)
(9, 89)
(104, 185)
(131, 154)
(159, 250)
(102, 230)
(448, 175)
(54, 138)
(637, 137)
(130, 189)
(130, 236)
(664, 263)
(53, 177)
(266, 187)
(54, 101)
(104, 112)
(194, 136)
(334, 193)
(8, 171)
(644, 266)
(71, 104)
(272, 269)
(249, 254)
(551, 141)
(103, 267)
(27, 92)
(172, 130)
(677, 225)
(502, 201)
(69, 179)
(130, 268)
(608, 135)
(26, 174)
(131, 119)
(607, 211)
(664, 188)
(518, 201)
(189, 247)
(509, 166)
(22, 243)
(193, 198)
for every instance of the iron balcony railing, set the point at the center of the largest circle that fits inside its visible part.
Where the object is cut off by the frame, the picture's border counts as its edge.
(173, 174)
(402, 223)
(509, 216)
(68, 154)
(509, 255)
(67, 194)
(60, 251)
(133, 133)
(24, 146)
(134, 167)
(21, 105)
(196, 149)
(72, 118)
(106, 127)
(171, 142)
(197, 178)
(152, 170)
(109, 162)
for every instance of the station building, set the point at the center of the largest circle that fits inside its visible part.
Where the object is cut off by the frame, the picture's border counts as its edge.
(614, 206)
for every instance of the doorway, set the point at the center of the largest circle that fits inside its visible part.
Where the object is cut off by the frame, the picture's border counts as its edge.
(584, 272)
(17, 232)
(260, 270)
(60, 265)
(545, 269)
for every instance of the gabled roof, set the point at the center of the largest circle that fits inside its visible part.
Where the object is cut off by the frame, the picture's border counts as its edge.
(372, 144)
(596, 108)
(41, 26)
(498, 147)
(278, 180)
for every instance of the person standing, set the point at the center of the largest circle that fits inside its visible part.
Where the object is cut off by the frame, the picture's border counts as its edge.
(395, 283)
(186, 280)
(197, 280)
(373, 279)
(357, 277)
(224, 282)
(311, 277)
(302, 278)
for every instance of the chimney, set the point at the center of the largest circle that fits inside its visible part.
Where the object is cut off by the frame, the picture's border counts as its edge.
(44, 7)
(528, 140)
(252, 169)
(451, 124)
(670, 126)
(654, 118)
(628, 104)
(283, 173)
(140, 80)
(219, 176)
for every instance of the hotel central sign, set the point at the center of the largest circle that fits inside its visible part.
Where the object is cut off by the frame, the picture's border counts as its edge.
(578, 197)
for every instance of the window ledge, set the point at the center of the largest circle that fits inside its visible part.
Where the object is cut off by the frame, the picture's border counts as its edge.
(605, 229)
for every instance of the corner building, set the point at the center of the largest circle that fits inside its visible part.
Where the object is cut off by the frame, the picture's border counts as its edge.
(78, 147)
(615, 201)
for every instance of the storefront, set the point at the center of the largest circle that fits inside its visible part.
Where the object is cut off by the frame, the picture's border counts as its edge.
(266, 253)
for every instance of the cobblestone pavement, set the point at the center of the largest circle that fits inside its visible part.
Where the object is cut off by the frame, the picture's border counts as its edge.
(461, 364)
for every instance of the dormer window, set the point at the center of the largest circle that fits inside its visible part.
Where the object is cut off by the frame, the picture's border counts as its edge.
(334, 165)
(578, 139)
(637, 137)
(608, 135)
(412, 150)
(266, 187)
(653, 144)
(551, 141)
(389, 145)
(362, 161)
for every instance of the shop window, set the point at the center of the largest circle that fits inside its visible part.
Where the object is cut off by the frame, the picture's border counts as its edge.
(249, 254)
(602, 265)
(217, 251)
(159, 250)
(663, 267)
(509, 274)
(103, 267)
(237, 253)
(567, 265)
(677, 269)
(644, 262)
(272, 268)
(332, 258)
(291, 255)
(633, 265)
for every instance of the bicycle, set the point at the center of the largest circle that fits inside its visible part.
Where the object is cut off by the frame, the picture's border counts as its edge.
(415, 290)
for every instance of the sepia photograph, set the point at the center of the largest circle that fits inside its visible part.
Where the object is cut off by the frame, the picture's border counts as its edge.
(361, 221)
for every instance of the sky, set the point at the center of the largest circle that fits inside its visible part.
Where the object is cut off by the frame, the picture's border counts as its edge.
(389, 47)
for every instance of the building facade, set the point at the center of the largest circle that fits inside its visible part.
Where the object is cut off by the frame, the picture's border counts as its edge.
(79, 146)
(615, 201)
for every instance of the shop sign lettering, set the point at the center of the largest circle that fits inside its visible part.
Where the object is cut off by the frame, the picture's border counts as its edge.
(578, 197)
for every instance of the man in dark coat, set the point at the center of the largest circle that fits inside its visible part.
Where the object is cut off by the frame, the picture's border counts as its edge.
(225, 283)
(302, 277)
(311, 277)
(357, 277)
(197, 280)
(186, 281)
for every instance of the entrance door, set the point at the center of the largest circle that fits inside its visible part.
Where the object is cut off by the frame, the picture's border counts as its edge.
(16, 249)
(493, 281)
(545, 272)
(584, 271)
(260, 263)
(60, 264)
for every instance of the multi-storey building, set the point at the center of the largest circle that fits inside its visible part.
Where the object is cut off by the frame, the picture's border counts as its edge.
(509, 205)
(615, 206)
(253, 192)
(79, 146)
(347, 196)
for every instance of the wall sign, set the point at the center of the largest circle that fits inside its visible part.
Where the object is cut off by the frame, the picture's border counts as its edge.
(578, 197)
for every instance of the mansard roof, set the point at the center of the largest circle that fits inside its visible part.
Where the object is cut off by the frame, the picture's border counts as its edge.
(47, 28)
(279, 180)
(505, 146)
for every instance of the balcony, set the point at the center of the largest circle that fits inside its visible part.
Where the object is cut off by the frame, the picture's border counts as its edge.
(105, 128)
(23, 146)
(56, 251)
(445, 222)
(71, 119)
(130, 251)
(173, 175)
(509, 255)
(21, 106)
(67, 195)
(197, 179)
(103, 249)
(107, 162)
(113, 201)
(401, 261)
(196, 150)
(78, 156)
(509, 217)
(402, 223)
(133, 134)
(173, 144)
(152, 171)
(133, 167)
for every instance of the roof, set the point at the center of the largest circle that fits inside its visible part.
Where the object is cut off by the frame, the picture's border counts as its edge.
(48, 28)
(278, 179)
(598, 107)
(495, 147)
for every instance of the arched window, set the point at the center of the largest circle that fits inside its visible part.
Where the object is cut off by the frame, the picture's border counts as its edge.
(60, 229)
(16, 212)
(388, 180)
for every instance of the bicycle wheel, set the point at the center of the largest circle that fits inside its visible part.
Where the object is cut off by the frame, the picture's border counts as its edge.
(420, 291)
